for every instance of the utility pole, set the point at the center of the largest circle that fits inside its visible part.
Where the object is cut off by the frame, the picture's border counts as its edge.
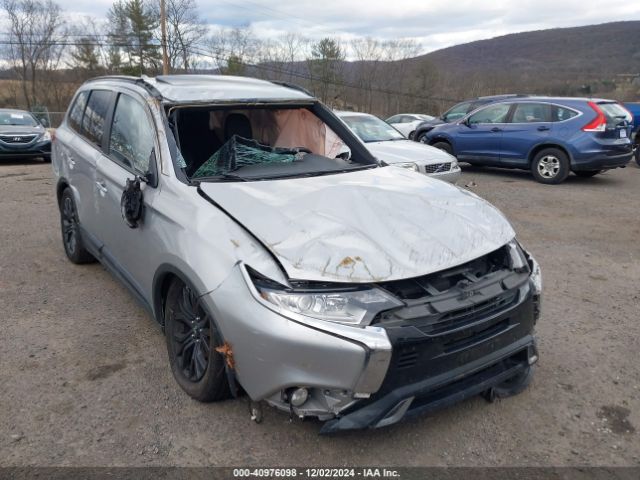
(163, 28)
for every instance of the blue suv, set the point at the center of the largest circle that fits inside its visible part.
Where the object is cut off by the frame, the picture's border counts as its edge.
(550, 136)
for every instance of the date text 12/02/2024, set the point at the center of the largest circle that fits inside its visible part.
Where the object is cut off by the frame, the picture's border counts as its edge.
(316, 473)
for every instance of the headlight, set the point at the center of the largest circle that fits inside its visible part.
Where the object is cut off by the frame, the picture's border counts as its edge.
(46, 135)
(349, 307)
(408, 166)
(536, 274)
(524, 261)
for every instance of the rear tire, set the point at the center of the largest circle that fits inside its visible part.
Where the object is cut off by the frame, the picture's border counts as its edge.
(411, 135)
(192, 337)
(70, 228)
(445, 146)
(588, 173)
(638, 155)
(550, 166)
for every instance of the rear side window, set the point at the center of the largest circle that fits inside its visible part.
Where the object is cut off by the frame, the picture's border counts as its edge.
(561, 114)
(132, 136)
(75, 115)
(531, 113)
(95, 115)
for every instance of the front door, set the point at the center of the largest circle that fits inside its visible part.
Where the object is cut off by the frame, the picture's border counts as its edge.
(479, 137)
(132, 143)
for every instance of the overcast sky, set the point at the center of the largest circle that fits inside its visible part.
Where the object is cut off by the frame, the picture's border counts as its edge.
(433, 23)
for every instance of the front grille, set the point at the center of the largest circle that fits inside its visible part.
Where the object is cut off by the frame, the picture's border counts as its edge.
(454, 317)
(459, 318)
(18, 138)
(438, 167)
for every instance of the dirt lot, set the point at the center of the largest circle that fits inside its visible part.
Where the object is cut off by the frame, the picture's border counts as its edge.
(85, 377)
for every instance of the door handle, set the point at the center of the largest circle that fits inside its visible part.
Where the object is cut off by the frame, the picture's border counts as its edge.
(543, 128)
(102, 187)
(496, 129)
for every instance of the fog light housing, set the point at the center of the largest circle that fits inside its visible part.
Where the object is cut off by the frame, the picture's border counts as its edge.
(299, 396)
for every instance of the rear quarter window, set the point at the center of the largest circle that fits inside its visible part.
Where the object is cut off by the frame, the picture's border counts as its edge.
(560, 114)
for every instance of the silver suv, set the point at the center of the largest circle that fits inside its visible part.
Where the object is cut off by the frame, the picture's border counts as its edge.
(280, 259)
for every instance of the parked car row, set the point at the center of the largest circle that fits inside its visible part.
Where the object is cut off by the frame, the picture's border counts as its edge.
(282, 259)
(390, 146)
(549, 136)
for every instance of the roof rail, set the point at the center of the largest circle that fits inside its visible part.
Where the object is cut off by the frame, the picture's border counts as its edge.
(292, 86)
(131, 79)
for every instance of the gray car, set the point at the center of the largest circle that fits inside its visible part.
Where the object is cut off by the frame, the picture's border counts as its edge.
(23, 136)
(281, 260)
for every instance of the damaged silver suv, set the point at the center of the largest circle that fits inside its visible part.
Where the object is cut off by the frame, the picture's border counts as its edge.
(282, 260)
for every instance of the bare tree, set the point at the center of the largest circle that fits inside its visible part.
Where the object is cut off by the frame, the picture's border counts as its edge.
(185, 30)
(33, 27)
(233, 49)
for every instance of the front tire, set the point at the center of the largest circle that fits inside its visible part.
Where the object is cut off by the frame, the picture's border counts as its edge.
(192, 339)
(511, 387)
(445, 146)
(550, 166)
(420, 137)
(70, 228)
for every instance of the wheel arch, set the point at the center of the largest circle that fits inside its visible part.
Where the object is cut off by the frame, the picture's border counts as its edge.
(538, 148)
(165, 274)
(445, 139)
(62, 184)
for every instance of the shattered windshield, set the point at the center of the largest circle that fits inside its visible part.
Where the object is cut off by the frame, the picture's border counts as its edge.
(371, 129)
(22, 119)
(228, 144)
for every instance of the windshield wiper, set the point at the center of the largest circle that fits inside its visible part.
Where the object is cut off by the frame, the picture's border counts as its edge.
(223, 177)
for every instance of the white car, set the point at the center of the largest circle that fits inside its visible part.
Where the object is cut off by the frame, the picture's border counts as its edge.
(407, 122)
(390, 146)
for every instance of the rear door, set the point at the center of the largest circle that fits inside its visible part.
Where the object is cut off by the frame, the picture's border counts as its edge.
(82, 152)
(478, 138)
(130, 154)
(530, 124)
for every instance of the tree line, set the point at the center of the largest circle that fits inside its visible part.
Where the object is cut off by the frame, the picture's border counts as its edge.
(49, 55)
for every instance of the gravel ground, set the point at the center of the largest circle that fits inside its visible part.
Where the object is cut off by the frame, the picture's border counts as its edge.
(85, 377)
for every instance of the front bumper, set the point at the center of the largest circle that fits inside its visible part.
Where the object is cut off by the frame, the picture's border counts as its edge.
(373, 376)
(452, 176)
(441, 391)
(37, 149)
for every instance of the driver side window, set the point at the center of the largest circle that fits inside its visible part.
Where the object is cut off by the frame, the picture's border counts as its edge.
(492, 114)
(131, 139)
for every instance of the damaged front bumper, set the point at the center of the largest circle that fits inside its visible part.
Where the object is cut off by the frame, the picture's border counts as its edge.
(375, 376)
(273, 354)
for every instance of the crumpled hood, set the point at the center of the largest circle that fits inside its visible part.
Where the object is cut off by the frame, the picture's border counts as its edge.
(399, 151)
(365, 226)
